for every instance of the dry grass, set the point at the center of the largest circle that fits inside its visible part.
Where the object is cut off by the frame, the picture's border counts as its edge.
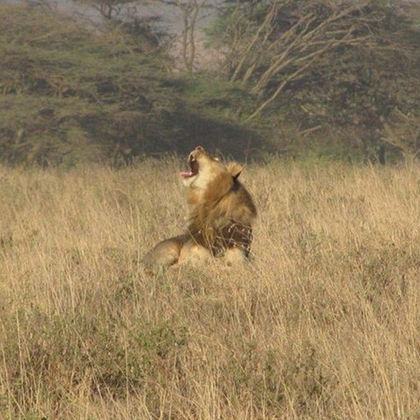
(323, 324)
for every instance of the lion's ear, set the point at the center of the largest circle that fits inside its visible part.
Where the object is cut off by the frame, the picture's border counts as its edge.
(235, 169)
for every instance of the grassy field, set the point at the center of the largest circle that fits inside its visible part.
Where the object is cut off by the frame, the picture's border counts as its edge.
(324, 323)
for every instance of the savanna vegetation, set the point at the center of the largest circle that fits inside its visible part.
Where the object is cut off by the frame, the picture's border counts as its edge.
(337, 79)
(322, 323)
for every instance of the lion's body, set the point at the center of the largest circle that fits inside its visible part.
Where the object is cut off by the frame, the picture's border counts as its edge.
(221, 216)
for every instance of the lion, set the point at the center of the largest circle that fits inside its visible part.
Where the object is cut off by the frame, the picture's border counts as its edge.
(220, 218)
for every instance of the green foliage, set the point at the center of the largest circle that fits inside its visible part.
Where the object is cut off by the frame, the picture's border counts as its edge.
(72, 93)
(68, 91)
(340, 69)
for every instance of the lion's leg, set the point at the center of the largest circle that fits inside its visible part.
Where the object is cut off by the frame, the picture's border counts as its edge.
(165, 253)
(234, 256)
(194, 254)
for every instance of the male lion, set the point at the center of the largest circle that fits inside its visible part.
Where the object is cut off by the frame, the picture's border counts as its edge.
(220, 219)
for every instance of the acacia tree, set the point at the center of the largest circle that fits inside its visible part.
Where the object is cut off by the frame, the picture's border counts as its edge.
(125, 18)
(190, 11)
(345, 64)
(109, 9)
(402, 132)
(68, 93)
(286, 39)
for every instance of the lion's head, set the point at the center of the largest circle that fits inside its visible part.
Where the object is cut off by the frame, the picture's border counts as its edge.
(204, 169)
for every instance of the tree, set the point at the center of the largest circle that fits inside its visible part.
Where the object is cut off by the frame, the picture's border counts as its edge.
(402, 132)
(190, 11)
(68, 92)
(125, 16)
(71, 93)
(335, 64)
(109, 9)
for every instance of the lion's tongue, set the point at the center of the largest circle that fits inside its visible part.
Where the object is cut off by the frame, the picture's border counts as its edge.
(186, 174)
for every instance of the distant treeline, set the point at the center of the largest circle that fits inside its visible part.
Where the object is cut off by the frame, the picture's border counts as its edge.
(292, 77)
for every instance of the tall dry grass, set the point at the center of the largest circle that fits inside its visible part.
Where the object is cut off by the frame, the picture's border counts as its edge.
(324, 323)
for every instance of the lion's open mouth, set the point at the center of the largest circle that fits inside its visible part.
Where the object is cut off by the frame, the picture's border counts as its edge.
(193, 168)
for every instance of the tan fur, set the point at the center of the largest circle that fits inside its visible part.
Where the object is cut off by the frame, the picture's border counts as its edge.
(220, 220)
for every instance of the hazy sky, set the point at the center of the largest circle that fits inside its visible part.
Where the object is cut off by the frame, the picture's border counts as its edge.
(170, 15)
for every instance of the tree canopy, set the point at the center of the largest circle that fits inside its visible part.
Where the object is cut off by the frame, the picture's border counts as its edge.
(340, 78)
(345, 67)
